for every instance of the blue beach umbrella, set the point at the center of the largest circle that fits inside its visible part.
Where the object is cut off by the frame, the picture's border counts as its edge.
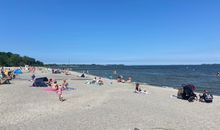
(17, 71)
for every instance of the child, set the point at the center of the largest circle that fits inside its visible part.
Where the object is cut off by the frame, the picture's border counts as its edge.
(65, 84)
(60, 93)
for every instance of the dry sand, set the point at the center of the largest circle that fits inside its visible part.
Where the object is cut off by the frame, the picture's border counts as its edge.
(108, 107)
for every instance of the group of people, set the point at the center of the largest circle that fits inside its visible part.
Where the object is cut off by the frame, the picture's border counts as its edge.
(120, 79)
(96, 81)
(58, 87)
(186, 92)
(99, 81)
(56, 71)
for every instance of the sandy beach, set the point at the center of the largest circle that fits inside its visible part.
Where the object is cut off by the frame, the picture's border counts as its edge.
(109, 107)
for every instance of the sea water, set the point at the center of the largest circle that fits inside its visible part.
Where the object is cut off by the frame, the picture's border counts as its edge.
(202, 76)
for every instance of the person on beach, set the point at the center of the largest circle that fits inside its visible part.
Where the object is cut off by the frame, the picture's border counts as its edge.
(100, 81)
(50, 82)
(60, 93)
(83, 75)
(94, 81)
(188, 92)
(65, 84)
(129, 80)
(55, 86)
(33, 77)
(3, 73)
(206, 97)
(120, 79)
(139, 90)
(2, 70)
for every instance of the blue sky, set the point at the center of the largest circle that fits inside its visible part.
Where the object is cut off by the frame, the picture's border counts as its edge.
(112, 31)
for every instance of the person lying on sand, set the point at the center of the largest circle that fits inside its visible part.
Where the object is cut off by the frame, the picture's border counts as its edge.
(120, 79)
(94, 81)
(67, 73)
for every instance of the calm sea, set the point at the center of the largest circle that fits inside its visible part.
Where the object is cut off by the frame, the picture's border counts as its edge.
(202, 76)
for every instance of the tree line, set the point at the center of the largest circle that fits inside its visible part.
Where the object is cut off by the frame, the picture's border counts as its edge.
(9, 59)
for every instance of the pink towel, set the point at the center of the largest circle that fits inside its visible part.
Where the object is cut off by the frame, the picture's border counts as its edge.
(49, 90)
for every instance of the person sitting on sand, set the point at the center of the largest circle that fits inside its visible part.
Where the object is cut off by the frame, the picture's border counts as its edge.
(119, 78)
(206, 97)
(129, 80)
(65, 84)
(188, 92)
(55, 85)
(4, 81)
(33, 77)
(3, 74)
(83, 75)
(100, 81)
(50, 82)
(139, 90)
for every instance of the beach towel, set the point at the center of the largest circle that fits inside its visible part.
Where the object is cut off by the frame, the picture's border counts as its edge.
(49, 89)
(141, 92)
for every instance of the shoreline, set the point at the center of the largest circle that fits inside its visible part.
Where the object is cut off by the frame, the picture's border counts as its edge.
(141, 83)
